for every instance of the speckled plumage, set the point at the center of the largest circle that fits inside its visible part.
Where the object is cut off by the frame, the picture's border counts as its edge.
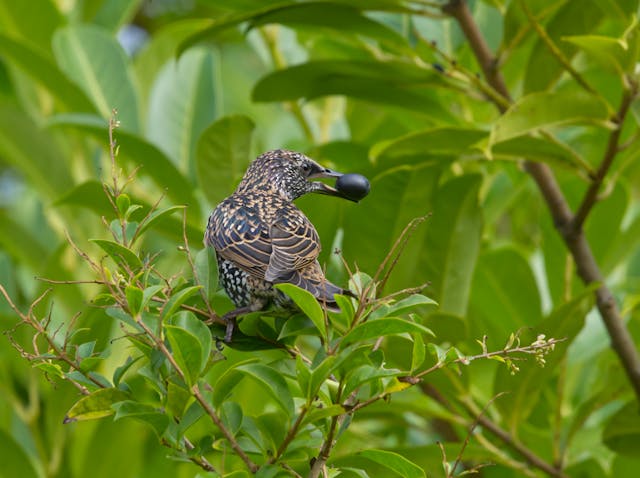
(261, 238)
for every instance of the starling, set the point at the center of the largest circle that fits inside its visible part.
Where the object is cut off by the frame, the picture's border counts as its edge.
(261, 238)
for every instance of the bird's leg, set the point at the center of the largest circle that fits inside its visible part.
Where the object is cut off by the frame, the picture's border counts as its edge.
(230, 317)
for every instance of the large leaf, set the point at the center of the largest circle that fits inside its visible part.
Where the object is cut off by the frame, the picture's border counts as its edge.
(425, 144)
(94, 60)
(389, 82)
(504, 295)
(33, 151)
(222, 156)
(181, 105)
(30, 23)
(547, 109)
(46, 73)
(622, 432)
(340, 18)
(453, 242)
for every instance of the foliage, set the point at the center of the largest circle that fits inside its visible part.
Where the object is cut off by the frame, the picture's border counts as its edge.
(123, 319)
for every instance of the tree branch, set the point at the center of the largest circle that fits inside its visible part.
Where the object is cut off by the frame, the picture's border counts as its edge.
(586, 265)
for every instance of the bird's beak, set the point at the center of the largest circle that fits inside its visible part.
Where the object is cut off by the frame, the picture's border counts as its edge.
(322, 188)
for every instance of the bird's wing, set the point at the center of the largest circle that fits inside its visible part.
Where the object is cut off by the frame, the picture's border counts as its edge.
(295, 244)
(238, 234)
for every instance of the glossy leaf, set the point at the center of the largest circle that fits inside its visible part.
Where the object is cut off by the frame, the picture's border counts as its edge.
(94, 60)
(178, 299)
(207, 271)
(182, 104)
(144, 413)
(187, 352)
(383, 327)
(307, 303)
(388, 82)
(548, 109)
(394, 462)
(120, 254)
(341, 18)
(454, 231)
(98, 404)
(273, 381)
(188, 321)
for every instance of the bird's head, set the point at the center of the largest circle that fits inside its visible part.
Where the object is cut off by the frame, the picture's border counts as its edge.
(289, 174)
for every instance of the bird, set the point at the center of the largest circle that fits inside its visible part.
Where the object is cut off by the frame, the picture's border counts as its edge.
(261, 238)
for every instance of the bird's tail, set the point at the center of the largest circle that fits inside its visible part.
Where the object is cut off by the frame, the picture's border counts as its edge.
(312, 279)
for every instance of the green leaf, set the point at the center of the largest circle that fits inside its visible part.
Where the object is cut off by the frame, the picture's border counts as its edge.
(547, 109)
(120, 254)
(382, 327)
(187, 352)
(543, 69)
(422, 145)
(273, 381)
(225, 384)
(622, 432)
(394, 462)
(153, 162)
(504, 295)
(307, 303)
(113, 14)
(156, 217)
(178, 299)
(419, 353)
(46, 73)
(318, 413)
(95, 61)
(341, 18)
(15, 460)
(98, 404)
(181, 105)
(222, 156)
(32, 151)
(402, 306)
(454, 232)
(397, 197)
(207, 271)
(365, 374)
(388, 82)
(188, 321)
(145, 413)
(134, 299)
(319, 375)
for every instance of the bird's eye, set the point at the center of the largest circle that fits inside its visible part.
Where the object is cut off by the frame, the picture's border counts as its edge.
(306, 167)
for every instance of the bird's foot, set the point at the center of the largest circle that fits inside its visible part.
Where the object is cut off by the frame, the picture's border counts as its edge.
(231, 324)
